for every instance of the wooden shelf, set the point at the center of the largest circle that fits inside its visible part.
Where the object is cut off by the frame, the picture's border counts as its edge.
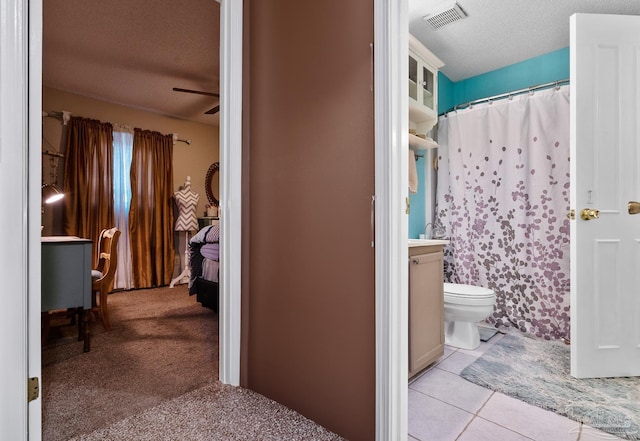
(417, 143)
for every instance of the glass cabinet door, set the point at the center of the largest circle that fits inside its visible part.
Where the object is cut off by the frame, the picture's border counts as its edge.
(427, 87)
(413, 78)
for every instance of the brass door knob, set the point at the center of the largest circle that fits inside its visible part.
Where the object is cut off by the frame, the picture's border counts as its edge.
(589, 214)
(633, 207)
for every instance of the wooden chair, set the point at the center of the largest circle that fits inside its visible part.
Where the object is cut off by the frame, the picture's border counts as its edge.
(103, 275)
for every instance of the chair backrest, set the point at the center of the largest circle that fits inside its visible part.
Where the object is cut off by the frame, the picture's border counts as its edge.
(98, 249)
(108, 256)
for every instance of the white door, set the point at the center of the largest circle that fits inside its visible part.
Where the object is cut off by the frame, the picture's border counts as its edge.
(605, 176)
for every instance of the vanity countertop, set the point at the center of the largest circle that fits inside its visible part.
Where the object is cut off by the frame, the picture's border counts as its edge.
(427, 242)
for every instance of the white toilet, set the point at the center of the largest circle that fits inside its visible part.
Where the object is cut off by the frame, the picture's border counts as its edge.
(464, 306)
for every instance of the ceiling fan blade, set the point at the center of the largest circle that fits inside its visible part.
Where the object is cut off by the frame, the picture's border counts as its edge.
(213, 110)
(178, 89)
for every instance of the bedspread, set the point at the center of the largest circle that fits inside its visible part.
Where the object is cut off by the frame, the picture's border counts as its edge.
(202, 246)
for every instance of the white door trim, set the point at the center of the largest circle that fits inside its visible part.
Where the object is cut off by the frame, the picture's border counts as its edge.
(34, 209)
(20, 221)
(231, 13)
(391, 32)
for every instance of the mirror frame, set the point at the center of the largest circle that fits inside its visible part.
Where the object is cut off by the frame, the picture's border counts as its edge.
(208, 180)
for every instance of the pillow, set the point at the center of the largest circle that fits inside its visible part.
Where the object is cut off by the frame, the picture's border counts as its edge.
(213, 235)
(209, 234)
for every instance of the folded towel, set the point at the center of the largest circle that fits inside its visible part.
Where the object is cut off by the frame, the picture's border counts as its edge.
(413, 173)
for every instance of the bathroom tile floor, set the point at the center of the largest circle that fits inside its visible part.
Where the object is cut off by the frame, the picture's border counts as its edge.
(443, 406)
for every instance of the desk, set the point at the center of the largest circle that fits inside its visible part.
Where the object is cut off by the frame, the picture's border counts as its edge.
(66, 277)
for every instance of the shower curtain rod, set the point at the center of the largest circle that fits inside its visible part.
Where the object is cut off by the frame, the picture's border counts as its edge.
(64, 116)
(509, 95)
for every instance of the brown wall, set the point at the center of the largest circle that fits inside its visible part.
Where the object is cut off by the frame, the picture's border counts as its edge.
(309, 333)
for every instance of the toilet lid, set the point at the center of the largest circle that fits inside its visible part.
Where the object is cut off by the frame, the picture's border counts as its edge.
(460, 290)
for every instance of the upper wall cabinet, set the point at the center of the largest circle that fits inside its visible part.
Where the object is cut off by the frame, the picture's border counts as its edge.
(423, 86)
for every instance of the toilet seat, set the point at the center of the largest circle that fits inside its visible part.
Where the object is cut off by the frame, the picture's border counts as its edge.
(460, 294)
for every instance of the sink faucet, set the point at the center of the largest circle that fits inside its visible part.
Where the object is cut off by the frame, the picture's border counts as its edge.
(425, 230)
(437, 231)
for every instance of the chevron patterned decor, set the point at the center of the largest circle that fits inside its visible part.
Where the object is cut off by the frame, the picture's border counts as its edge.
(187, 202)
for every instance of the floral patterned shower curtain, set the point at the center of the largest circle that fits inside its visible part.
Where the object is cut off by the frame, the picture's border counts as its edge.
(503, 196)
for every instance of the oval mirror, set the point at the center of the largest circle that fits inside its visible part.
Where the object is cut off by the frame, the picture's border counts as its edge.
(212, 184)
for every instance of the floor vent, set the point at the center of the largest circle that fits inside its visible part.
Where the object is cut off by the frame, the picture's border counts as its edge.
(445, 16)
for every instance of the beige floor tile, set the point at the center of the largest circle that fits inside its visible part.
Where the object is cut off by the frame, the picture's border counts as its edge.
(456, 362)
(482, 430)
(477, 352)
(452, 389)
(530, 421)
(433, 420)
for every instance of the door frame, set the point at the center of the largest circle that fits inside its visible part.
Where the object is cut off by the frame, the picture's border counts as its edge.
(20, 161)
(391, 50)
(391, 31)
(390, 36)
(231, 13)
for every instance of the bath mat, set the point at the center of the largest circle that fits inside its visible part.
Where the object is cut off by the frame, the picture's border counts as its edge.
(537, 372)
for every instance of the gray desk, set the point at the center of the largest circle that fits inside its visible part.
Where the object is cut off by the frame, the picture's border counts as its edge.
(66, 277)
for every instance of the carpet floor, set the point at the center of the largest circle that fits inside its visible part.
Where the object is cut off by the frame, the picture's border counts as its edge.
(537, 372)
(154, 376)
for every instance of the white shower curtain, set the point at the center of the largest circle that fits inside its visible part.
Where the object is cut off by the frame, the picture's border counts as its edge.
(503, 196)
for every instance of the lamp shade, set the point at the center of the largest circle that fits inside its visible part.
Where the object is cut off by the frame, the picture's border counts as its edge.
(51, 194)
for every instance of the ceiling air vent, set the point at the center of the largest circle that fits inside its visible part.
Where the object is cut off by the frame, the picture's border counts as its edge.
(445, 16)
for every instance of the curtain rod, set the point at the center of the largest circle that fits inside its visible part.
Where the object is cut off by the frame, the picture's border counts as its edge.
(65, 116)
(509, 95)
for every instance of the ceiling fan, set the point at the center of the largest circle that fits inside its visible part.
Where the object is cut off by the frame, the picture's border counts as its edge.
(211, 111)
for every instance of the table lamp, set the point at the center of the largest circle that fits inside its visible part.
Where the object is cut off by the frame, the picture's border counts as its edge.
(51, 194)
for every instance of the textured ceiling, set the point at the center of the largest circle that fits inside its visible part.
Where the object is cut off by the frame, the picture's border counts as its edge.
(134, 52)
(498, 33)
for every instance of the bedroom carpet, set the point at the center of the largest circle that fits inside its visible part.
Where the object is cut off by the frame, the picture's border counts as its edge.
(154, 376)
(537, 372)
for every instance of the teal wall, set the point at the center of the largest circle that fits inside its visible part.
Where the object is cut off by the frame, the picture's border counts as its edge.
(547, 68)
(417, 215)
(446, 93)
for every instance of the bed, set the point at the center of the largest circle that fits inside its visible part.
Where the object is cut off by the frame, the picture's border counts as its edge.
(204, 262)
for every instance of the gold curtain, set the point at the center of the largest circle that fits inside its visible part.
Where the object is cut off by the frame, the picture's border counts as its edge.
(151, 213)
(88, 178)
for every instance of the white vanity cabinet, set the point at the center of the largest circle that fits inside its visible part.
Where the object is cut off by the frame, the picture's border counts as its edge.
(423, 87)
(426, 306)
